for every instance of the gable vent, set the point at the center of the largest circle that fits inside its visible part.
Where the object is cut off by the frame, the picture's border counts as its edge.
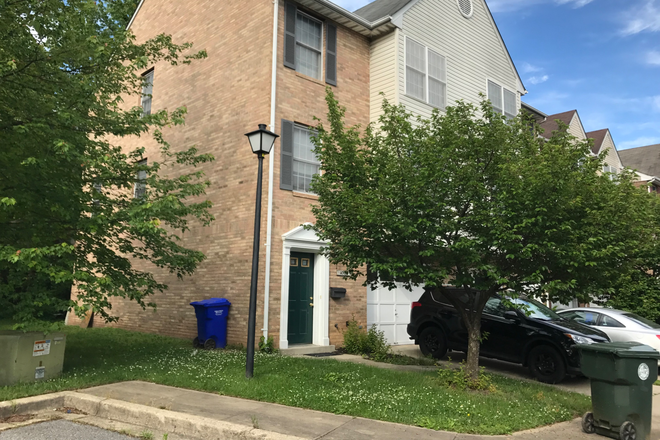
(465, 6)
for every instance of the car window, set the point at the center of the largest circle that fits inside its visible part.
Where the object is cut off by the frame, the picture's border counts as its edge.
(581, 316)
(536, 310)
(608, 321)
(494, 307)
(646, 323)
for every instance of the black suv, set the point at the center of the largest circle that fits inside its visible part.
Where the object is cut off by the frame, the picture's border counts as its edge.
(539, 339)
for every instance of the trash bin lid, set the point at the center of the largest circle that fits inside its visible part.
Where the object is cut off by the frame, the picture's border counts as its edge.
(211, 302)
(622, 349)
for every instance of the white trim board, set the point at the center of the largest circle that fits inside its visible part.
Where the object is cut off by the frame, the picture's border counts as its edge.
(302, 240)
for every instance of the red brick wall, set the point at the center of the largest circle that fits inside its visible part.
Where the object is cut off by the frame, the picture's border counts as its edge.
(227, 95)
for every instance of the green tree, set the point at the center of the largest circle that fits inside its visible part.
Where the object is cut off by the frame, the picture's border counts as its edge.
(638, 290)
(68, 214)
(470, 199)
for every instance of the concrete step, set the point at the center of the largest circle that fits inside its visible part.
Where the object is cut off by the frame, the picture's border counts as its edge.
(301, 349)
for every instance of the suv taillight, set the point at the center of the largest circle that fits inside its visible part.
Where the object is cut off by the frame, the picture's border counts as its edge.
(419, 304)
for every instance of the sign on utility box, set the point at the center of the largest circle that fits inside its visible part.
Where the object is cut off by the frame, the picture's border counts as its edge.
(30, 357)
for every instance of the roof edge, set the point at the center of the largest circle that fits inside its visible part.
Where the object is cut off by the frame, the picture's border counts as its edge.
(369, 25)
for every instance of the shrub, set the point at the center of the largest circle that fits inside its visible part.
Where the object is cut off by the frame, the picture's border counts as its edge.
(370, 343)
(460, 379)
(267, 345)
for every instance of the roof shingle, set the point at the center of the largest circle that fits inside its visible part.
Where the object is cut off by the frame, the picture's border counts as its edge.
(644, 159)
(380, 8)
(550, 124)
(598, 136)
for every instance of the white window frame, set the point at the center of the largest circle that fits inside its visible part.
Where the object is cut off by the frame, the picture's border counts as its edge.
(502, 89)
(427, 90)
(306, 128)
(322, 50)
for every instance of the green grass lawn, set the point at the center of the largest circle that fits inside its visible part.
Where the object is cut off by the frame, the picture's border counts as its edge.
(101, 356)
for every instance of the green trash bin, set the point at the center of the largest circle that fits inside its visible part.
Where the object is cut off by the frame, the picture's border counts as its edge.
(622, 376)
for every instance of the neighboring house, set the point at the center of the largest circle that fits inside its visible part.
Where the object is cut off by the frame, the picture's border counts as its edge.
(425, 54)
(646, 163)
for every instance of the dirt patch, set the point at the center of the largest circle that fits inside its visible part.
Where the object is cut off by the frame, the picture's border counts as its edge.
(69, 410)
(17, 418)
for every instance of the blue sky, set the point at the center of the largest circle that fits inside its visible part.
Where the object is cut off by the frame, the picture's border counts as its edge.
(601, 57)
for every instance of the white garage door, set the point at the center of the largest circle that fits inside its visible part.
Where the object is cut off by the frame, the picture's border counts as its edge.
(390, 311)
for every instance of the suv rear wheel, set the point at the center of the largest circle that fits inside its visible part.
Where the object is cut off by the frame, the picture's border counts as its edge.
(546, 364)
(432, 342)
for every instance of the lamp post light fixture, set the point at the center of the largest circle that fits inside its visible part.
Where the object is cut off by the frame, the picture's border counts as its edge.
(261, 142)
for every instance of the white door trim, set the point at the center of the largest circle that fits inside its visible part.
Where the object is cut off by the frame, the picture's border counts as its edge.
(302, 240)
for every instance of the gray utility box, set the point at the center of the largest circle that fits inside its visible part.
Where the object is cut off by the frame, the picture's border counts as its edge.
(30, 357)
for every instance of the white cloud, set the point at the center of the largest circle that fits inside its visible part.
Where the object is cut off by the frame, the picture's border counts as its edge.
(538, 79)
(528, 68)
(653, 58)
(639, 142)
(575, 3)
(644, 18)
(656, 102)
(514, 5)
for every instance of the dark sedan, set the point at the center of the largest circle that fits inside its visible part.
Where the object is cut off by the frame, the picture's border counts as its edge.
(536, 337)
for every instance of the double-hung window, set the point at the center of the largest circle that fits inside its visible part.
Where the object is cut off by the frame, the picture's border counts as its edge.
(426, 74)
(503, 100)
(610, 170)
(299, 163)
(303, 44)
(140, 188)
(305, 162)
(309, 43)
(147, 91)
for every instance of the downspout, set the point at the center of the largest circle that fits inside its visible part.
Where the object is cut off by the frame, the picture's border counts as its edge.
(271, 166)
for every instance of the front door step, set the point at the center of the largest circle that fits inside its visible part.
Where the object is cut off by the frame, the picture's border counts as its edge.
(301, 349)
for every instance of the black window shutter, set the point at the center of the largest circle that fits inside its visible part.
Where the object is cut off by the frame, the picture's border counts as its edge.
(286, 156)
(290, 36)
(331, 56)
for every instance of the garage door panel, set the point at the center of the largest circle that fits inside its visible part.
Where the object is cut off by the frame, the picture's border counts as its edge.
(386, 313)
(386, 296)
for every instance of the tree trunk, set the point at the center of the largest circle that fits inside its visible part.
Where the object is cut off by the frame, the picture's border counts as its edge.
(474, 344)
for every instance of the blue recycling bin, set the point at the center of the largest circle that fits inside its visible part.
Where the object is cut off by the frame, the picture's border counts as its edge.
(211, 323)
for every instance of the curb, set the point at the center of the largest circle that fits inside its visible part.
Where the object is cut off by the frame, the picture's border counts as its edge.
(154, 418)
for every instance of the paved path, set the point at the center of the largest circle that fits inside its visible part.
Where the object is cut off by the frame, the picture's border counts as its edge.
(61, 430)
(307, 424)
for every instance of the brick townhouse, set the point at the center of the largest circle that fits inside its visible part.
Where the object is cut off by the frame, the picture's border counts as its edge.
(270, 62)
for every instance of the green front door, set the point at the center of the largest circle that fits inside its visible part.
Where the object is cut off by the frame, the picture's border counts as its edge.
(301, 298)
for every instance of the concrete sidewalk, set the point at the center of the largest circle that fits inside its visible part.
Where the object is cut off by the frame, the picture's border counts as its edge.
(302, 423)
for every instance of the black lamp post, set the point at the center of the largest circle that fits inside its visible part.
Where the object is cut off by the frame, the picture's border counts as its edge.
(261, 142)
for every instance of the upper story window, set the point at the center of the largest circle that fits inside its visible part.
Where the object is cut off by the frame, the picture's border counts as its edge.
(299, 163)
(147, 91)
(426, 74)
(503, 100)
(140, 188)
(309, 43)
(610, 170)
(303, 45)
(305, 162)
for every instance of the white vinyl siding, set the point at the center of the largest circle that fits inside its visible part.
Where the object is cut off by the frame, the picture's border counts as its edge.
(382, 74)
(426, 75)
(612, 157)
(472, 48)
(309, 45)
(305, 162)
